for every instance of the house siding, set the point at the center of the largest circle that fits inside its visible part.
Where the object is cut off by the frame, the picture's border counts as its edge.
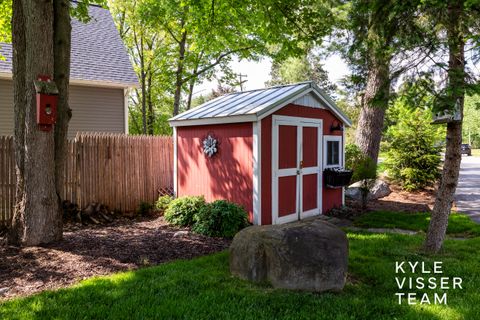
(6, 107)
(94, 109)
(228, 174)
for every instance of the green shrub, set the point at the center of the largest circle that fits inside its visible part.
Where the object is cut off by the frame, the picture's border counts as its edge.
(413, 158)
(363, 166)
(365, 171)
(220, 219)
(181, 211)
(352, 155)
(144, 208)
(163, 202)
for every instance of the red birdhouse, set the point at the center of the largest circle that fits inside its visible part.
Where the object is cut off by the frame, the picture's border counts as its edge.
(47, 99)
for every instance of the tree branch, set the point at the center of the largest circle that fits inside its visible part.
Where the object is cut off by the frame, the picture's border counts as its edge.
(215, 63)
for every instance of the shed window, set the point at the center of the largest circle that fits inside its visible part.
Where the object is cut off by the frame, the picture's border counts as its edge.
(332, 152)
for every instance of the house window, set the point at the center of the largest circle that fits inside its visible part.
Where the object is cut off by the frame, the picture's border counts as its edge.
(332, 151)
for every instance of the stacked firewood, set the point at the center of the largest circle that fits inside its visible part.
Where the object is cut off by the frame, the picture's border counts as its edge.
(94, 212)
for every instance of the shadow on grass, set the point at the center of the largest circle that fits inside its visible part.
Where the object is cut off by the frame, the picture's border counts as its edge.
(203, 289)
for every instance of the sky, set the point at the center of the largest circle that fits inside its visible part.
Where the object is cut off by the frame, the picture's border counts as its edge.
(259, 72)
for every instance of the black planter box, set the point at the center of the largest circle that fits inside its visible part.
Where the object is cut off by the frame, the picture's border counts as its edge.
(335, 178)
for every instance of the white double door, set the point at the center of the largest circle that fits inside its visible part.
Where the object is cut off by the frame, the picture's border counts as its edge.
(296, 168)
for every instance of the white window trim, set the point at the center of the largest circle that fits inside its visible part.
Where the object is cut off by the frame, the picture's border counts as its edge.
(340, 151)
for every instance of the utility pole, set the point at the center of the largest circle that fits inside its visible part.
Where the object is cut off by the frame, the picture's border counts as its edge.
(241, 81)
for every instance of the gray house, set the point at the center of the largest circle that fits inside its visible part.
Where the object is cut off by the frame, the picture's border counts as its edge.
(100, 78)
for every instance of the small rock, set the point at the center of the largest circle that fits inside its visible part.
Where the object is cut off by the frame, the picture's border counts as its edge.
(379, 190)
(3, 291)
(181, 234)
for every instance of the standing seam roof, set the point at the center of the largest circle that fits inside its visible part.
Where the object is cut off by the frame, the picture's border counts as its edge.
(241, 103)
(255, 103)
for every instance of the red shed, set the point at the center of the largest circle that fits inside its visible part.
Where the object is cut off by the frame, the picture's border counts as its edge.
(264, 149)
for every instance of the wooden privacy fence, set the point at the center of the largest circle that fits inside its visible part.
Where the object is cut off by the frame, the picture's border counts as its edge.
(119, 171)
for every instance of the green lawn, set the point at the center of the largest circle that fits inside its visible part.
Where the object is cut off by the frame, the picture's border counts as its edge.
(459, 225)
(203, 289)
(476, 152)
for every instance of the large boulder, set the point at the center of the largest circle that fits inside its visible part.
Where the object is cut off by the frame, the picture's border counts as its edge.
(379, 190)
(306, 255)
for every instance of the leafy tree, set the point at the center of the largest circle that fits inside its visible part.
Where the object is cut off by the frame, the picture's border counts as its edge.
(5, 18)
(455, 23)
(413, 156)
(371, 35)
(41, 46)
(149, 52)
(297, 69)
(471, 122)
(202, 35)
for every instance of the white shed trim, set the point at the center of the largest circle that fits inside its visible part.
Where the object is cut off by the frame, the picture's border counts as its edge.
(175, 163)
(257, 173)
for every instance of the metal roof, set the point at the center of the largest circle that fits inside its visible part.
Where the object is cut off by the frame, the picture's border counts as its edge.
(253, 105)
(97, 54)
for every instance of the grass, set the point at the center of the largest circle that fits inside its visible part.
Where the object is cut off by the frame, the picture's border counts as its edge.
(203, 289)
(459, 225)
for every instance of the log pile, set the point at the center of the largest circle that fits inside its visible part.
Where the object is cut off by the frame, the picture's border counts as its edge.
(94, 212)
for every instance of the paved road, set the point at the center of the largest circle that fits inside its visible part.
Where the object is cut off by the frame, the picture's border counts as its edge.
(467, 197)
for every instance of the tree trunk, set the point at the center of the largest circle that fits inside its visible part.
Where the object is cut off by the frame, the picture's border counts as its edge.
(179, 73)
(19, 65)
(451, 167)
(151, 111)
(191, 85)
(36, 212)
(61, 50)
(143, 80)
(374, 105)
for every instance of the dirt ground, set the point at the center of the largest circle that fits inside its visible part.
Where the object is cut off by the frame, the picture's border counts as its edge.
(399, 200)
(97, 250)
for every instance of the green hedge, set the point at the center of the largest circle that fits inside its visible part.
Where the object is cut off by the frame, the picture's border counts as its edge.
(180, 212)
(220, 219)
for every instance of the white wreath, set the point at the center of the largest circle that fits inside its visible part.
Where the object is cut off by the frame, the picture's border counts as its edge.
(210, 146)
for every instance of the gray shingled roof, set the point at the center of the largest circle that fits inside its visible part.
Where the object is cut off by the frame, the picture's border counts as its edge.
(98, 53)
(250, 105)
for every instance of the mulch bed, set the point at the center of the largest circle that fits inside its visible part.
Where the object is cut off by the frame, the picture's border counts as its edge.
(87, 251)
(399, 200)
